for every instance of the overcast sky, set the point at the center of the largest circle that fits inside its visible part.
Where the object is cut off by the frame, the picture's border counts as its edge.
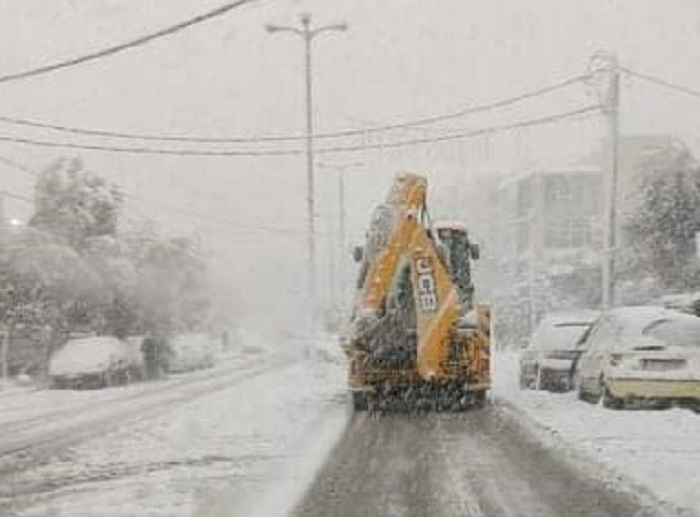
(401, 59)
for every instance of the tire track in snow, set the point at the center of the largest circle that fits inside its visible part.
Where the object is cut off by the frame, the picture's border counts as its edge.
(32, 445)
(481, 463)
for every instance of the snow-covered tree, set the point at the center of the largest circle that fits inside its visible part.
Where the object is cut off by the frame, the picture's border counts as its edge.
(74, 203)
(661, 232)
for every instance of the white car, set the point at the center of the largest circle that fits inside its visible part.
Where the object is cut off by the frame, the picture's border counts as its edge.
(193, 352)
(642, 355)
(547, 361)
(95, 362)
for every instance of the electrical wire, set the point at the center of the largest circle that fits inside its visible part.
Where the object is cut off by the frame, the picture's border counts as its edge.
(661, 82)
(71, 62)
(145, 150)
(323, 150)
(463, 135)
(293, 138)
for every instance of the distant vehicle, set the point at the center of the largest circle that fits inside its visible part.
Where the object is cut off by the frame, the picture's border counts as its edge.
(684, 302)
(193, 352)
(642, 356)
(547, 361)
(94, 362)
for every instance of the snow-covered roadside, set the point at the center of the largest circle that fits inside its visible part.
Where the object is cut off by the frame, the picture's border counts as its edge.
(23, 403)
(658, 450)
(233, 452)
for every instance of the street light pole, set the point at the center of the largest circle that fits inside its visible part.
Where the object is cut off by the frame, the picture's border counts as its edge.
(308, 33)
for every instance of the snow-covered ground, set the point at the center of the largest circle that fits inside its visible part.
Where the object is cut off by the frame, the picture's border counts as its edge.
(250, 449)
(19, 403)
(657, 450)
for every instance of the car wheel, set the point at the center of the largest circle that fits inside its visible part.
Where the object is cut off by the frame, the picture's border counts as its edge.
(586, 396)
(540, 379)
(479, 399)
(610, 401)
(545, 380)
(523, 382)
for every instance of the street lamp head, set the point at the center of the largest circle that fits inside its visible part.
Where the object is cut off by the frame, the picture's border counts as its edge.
(305, 18)
(272, 28)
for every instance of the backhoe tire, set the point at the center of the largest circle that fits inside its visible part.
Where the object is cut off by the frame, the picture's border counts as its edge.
(359, 401)
(480, 399)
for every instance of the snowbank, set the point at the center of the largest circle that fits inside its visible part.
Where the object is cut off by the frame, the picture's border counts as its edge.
(250, 449)
(658, 450)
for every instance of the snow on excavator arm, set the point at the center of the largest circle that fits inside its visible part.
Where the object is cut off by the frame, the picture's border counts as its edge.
(398, 233)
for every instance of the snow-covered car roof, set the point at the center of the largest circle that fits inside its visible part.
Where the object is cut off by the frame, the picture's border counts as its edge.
(562, 330)
(638, 317)
(192, 339)
(644, 322)
(86, 355)
(583, 316)
(681, 301)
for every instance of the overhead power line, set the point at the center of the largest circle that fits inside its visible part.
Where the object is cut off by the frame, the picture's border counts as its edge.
(292, 138)
(145, 150)
(661, 82)
(467, 134)
(291, 152)
(168, 31)
(484, 107)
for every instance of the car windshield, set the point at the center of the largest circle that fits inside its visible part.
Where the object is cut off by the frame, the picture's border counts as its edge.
(683, 332)
(561, 335)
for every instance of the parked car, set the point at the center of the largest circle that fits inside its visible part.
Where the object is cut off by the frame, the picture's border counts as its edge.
(94, 362)
(688, 302)
(193, 352)
(547, 361)
(642, 356)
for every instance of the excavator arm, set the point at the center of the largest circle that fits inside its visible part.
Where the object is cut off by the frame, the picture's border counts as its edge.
(434, 294)
(414, 324)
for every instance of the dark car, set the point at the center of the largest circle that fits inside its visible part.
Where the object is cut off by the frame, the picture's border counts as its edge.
(547, 361)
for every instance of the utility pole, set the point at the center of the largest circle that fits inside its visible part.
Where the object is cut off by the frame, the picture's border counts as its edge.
(3, 327)
(611, 107)
(308, 33)
(339, 255)
(2, 211)
(342, 247)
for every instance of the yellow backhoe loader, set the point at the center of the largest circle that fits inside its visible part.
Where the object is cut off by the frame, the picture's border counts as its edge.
(415, 333)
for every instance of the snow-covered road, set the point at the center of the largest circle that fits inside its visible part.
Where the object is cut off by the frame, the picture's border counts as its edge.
(658, 451)
(220, 453)
(275, 438)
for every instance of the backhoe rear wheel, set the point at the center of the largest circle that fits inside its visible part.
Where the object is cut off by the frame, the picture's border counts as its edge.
(480, 399)
(359, 401)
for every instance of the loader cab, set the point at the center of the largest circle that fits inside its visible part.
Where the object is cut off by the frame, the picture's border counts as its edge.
(460, 251)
